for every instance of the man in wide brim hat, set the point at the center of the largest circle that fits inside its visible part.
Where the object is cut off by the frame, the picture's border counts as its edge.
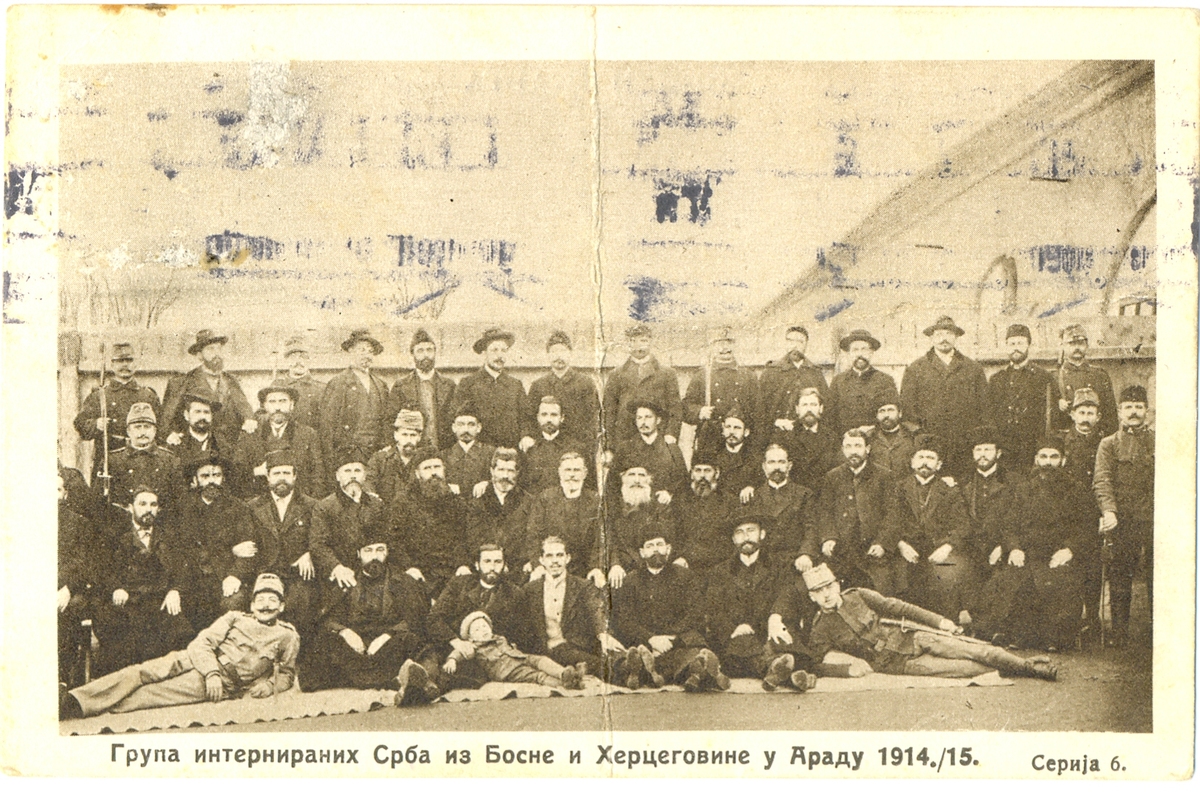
(944, 323)
(363, 335)
(205, 338)
(649, 404)
(292, 393)
(189, 398)
(195, 463)
(490, 335)
(861, 335)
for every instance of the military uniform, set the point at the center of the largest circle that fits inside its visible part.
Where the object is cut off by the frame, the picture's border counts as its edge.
(1070, 378)
(119, 398)
(155, 465)
(730, 387)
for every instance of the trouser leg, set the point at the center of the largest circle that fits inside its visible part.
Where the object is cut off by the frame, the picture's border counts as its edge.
(187, 688)
(928, 665)
(673, 664)
(1123, 561)
(949, 648)
(105, 693)
(527, 672)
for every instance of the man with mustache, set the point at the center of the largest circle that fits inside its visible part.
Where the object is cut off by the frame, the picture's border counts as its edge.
(1076, 372)
(946, 392)
(139, 611)
(486, 589)
(369, 632)
(703, 511)
(812, 446)
(539, 462)
(240, 654)
(1018, 396)
(791, 507)
(1048, 540)
(468, 460)
(1082, 440)
(284, 518)
(929, 526)
(390, 470)
(198, 440)
(341, 519)
(737, 459)
(783, 379)
(497, 395)
(650, 450)
(1124, 489)
(740, 595)
(640, 378)
(892, 442)
(309, 390)
(210, 381)
(121, 390)
(852, 517)
(142, 461)
(991, 495)
(430, 524)
(572, 512)
(723, 386)
(500, 514)
(625, 520)
(658, 612)
(280, 431)
(219, 543)
(854, 393)
(425, 390)
(575, 393)
(354, 414)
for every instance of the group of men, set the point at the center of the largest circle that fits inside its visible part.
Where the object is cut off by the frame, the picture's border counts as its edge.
(381, 519)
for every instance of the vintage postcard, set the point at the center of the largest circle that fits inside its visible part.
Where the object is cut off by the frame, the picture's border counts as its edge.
(633, 392)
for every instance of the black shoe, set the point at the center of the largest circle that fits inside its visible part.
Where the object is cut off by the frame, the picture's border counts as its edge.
(633, 668)
(778, 672)
(656, 679)
(695, 678)
(1047, 671)
(572, 678)
(413, 681)
(712, 670)
(68, 706)
(803, 680)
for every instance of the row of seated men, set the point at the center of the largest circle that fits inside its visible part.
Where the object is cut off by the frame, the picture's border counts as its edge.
(749, 616)
(1003, 553)
(945, 392)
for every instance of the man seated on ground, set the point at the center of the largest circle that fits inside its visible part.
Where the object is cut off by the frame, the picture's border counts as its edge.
(657, 612)
(368, 632)
(488, 590)
(241, 653)
(738, 602)
(503, 662)
(564, 616)
(862, 631)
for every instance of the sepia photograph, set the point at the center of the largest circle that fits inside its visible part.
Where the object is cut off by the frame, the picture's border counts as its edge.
(603, 392)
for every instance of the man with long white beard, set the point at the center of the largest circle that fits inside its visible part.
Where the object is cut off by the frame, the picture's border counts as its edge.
(1018, 397)
(284, 517)
(219, 544)
(341, 520)
(430, 526)
(279, 431)
(637, 512)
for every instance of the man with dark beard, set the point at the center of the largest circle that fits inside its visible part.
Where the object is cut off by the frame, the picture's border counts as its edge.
(737, 458)
(783, 379)
(121, 391)
(354, 413)
(308, 388)
(990, 495)
(212, 383)
(575, 393)
(279, 431)
(812, 446)
(740, 595)
(711, 394)
(791, 507)
(928, 524)
(572, 512)
(284, 517)
(198, 440)
(1018, 397)
(650, 450)
(1124, 489)
(390, 470)
(640, 378)
(500, 514)
(852, 515)
(139, 611)
(854, 393)
(370, 634)
(342, 519)
(636, 512)
(467, 460)
(1074, 373)
(892, 443)
(219, 544)
(425, 390)
(487, 589)
(498, 396)
(539, 461)
(703, 511)
(430, 525)
(1037, 603)
(659, 612)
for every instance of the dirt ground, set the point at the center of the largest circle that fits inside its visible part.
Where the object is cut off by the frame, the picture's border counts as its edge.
(1097, 691)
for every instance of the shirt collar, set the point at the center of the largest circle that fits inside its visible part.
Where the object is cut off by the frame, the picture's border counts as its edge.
(924, 482)
(426, 377)
(773, 485)
(748, 561)
(284, 502)
(551, 437)
(860, 468)
(491, 371)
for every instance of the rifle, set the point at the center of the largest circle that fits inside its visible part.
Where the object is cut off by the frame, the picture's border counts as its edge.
(104, 475)
(907, 626)
(1105, 552)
